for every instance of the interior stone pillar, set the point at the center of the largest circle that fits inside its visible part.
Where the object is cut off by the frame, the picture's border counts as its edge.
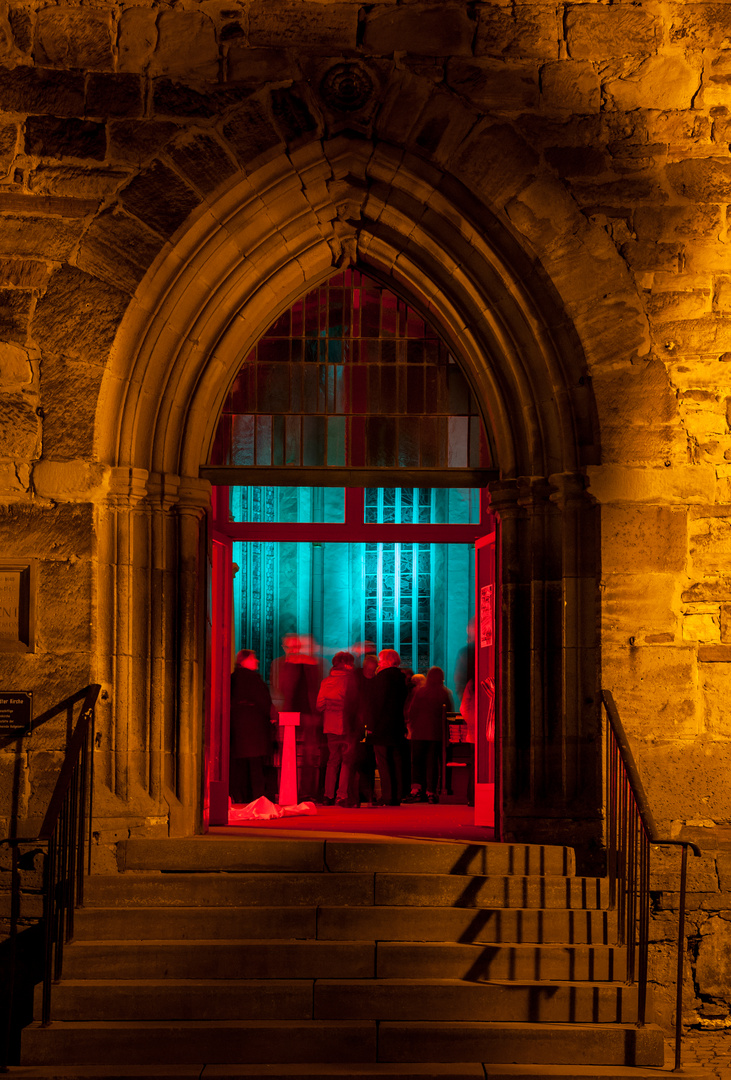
(550, 752)
(150, 653)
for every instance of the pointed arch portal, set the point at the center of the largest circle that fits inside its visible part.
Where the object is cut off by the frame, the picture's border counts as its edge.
(242, 260)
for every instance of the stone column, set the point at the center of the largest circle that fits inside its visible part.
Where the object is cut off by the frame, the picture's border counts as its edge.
(150, 653)
(549, 750)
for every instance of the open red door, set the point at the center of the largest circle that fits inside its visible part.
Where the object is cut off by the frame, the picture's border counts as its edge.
(485, 678)
(218, 719)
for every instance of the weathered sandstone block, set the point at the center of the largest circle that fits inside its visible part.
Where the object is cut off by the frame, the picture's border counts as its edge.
(15, 307)
(701, 179)
(68, 37)
(642, 606)
(77, 181)
(713, 963)
(137, 38)
(597, 32)
(23, 273)
(117, 249)
(326, 27)
(68, 389)
(681, 485)
(41, 90)
(659, 82)
(250, 132)
(118, 94)
(686, 779)
(50, 136)
(20, 428)
(15, 368)
(78, 316)
(525, 30)
(710, 540)
(64, 530)
(136, 142)
(655, 688)
(653, 537)
(186, 45)
(64, 623)
(431, 30)
(493, 85)
(159, 198)
(570, 86)
(715, 682)
(496, 161)
(260, 65)
(700, 25)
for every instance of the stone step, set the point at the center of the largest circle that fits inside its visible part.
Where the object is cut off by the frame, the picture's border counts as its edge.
(342, 999)
(336, 889)
(239, 1043)
(373, 1071)
(179, 1042)
(223, 890)
(209, 853)
(442, 890)
(476, 963)
(497, 1044)
(197, 923)
(495, 925)
(488, 925)
(282, 958)
(457, 1000)
(258, 959)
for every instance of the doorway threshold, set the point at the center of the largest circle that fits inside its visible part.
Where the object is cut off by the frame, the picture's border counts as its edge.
(417, 821)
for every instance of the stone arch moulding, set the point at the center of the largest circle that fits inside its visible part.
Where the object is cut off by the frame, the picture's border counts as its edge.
(244, 257)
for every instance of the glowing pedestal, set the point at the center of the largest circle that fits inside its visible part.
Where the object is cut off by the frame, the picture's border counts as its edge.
(288, 776)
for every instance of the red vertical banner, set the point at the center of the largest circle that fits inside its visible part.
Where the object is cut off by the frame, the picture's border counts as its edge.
(485, 678)
(218, 718)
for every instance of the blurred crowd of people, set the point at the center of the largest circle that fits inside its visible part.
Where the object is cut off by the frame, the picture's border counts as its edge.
(368, 716)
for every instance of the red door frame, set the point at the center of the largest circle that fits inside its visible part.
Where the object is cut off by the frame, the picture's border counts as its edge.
(353, 530)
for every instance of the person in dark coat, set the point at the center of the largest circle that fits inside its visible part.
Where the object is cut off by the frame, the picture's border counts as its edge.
(333, 701)
(251, 729)
(359, 709)
(387, 729)
(426, 723)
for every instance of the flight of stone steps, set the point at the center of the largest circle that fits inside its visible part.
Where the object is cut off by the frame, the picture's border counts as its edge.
(302, 958)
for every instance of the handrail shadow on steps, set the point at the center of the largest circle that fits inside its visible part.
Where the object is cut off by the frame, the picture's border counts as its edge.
(631, 830)
(66, 832)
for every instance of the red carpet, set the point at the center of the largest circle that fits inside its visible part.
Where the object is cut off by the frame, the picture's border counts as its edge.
(421, 821)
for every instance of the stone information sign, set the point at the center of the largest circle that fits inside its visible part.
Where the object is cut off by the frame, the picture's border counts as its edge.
(15, 607)
(16, 712)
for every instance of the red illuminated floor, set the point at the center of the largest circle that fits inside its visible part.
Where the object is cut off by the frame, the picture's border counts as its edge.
(442, 822)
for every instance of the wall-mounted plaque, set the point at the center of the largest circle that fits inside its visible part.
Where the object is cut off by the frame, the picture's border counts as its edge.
(16, 607)
(16, 712)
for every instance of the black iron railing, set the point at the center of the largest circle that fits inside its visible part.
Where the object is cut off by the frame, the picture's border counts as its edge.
(66, 836)
(631, 833)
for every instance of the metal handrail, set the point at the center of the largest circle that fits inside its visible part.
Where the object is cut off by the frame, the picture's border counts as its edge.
(66, 830)
(631, 830)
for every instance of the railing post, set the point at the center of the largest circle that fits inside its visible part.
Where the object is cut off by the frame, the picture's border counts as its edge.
(681, 958)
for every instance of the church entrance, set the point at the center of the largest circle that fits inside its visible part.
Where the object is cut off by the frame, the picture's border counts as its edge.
(350, 510)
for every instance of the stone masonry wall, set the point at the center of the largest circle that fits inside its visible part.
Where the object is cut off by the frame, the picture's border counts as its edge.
(116, 119)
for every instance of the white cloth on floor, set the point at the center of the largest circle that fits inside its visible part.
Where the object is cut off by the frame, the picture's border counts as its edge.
(262, 809)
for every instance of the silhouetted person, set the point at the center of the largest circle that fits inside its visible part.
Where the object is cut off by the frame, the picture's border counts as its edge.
(295, 679)
(359, 706)
(386, 727)
(337, 725)
(426, 722)
(251, 729)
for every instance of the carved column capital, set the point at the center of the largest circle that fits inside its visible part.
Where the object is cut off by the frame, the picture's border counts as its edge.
(570, 490)
(127, 487)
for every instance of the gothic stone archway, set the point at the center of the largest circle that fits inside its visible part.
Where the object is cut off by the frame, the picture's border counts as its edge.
(243, 259)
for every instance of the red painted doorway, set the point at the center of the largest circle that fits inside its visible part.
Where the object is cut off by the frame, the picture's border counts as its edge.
(358, 526)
